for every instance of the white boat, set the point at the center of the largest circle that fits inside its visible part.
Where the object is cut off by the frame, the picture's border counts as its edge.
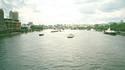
(109, 31)
(70, 36)
(54, 31)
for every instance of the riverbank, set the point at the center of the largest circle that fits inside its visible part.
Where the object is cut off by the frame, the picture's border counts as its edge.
(122, 33)
(9, 34)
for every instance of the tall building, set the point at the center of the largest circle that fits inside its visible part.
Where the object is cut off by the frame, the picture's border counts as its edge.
(1, 16)
(13, 15)
(2, 25)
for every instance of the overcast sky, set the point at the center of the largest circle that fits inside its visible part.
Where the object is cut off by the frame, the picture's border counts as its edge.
(66, 11)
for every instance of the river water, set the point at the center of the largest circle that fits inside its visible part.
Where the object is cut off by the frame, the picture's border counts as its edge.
(88, 50)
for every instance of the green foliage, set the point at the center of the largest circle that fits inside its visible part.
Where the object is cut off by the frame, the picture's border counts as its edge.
(118, 26)
(100, 27)
(114, 26)
(37, 27)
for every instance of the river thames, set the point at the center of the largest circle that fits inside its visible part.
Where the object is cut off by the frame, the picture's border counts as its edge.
(88, 50)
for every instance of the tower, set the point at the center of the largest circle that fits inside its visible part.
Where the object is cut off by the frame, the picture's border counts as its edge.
(2, 24)
(1, 16)
(13, 15)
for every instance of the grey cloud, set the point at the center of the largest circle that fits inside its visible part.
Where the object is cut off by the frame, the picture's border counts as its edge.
(86, 1)
(92, 1)
(88, 10)
(10, 4)
(113, 19)
(113, 6)
(36, 11)
(88, 6)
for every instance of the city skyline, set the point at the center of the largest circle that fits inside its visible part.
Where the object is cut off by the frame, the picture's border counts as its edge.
(66, 11)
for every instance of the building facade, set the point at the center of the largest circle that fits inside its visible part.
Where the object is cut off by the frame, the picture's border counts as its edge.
(12, 25)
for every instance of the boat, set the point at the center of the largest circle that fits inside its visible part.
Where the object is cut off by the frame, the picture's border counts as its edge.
(70, 36)
(109, 31)
(54, 31)
(41, 34)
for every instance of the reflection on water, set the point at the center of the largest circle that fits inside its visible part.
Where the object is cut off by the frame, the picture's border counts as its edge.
(88, 50)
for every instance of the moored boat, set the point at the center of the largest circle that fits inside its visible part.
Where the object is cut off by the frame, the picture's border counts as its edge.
(41, 34)
(70, 36)
(54, 31)
(109, 31)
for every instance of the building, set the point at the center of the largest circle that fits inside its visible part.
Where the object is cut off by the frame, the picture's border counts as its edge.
(1, 16)
(13, 15)
(12, 25)
(2, 25)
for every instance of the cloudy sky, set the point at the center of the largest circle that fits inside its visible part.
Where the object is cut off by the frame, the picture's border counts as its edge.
(66, 11)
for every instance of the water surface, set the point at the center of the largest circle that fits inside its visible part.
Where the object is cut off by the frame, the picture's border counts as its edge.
(88, 50)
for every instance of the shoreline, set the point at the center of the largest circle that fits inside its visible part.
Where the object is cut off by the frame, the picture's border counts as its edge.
(122, 33)
(9, 34)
